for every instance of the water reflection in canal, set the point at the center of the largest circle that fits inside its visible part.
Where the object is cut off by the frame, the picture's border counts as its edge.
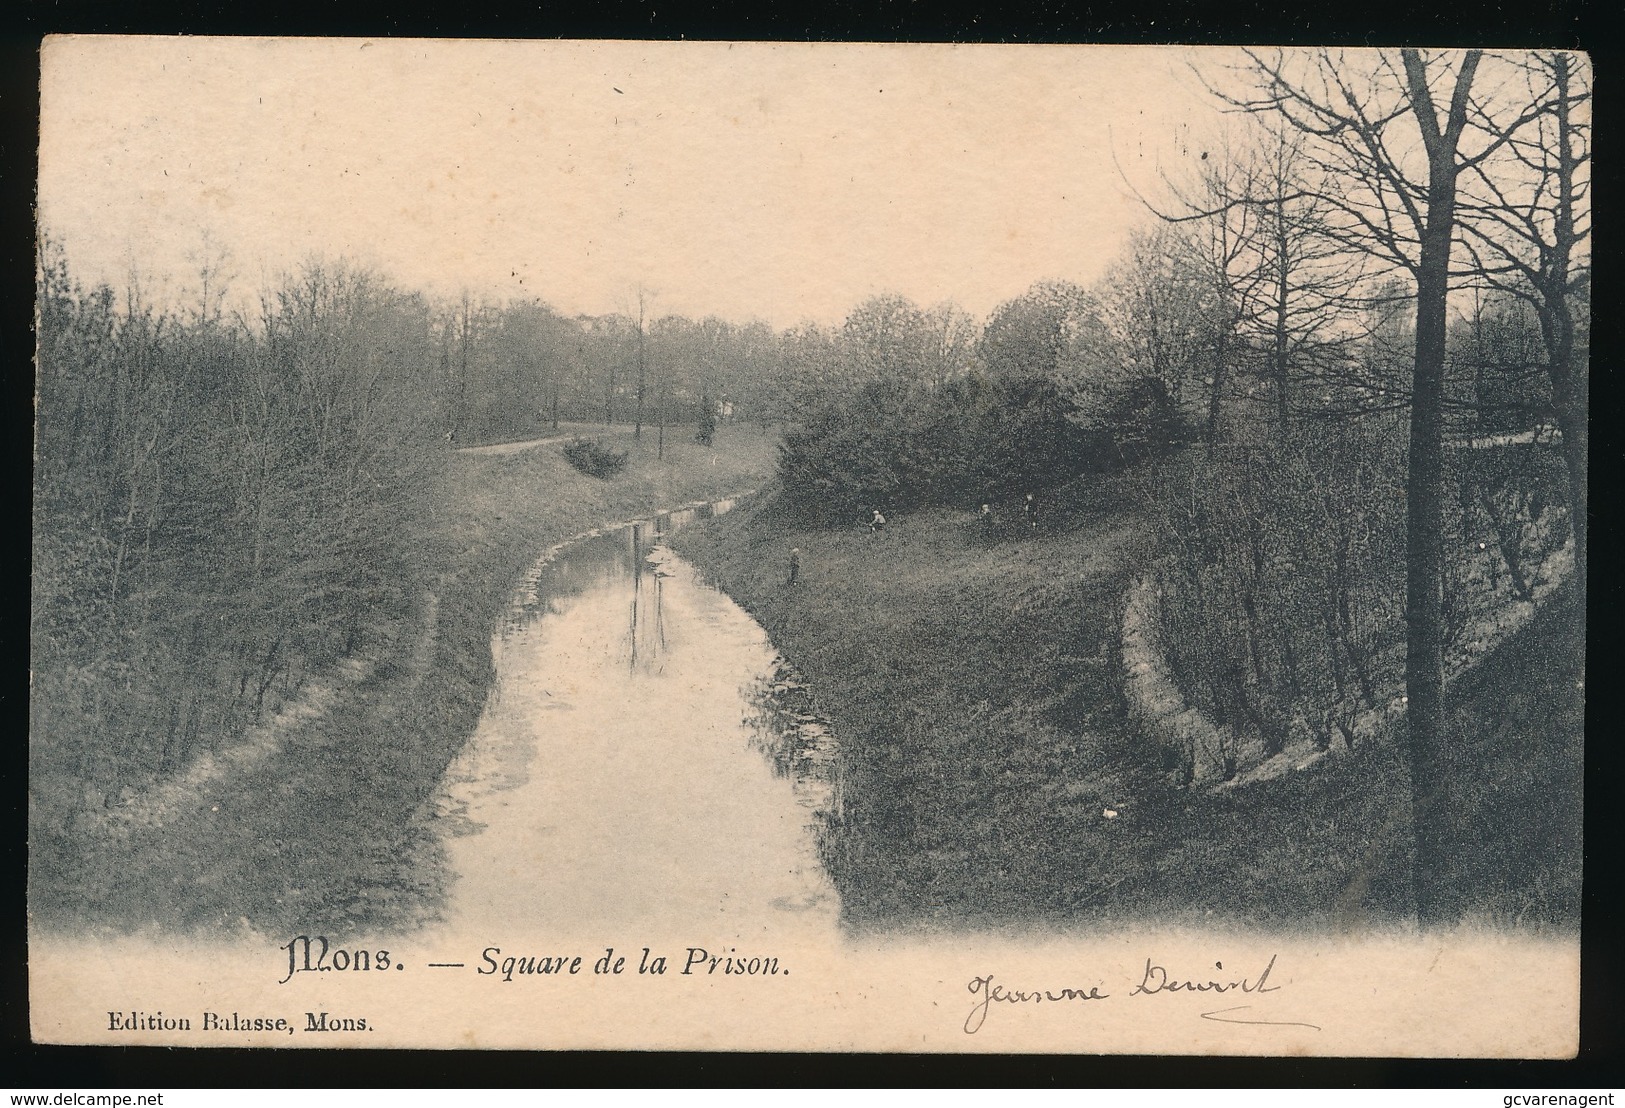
(645, 759)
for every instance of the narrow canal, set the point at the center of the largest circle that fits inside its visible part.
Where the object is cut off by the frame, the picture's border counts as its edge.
(636, 769)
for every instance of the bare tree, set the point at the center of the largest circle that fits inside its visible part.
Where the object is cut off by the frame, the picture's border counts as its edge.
(465, 342)
(1389, 167)
(637, 418)
(1224, 242)
(213, 262)
(1282, 287)
(955, 333)
(888, 343)
(1040, 334)
(1528, 227)
(1157, 309)
(1301, 280)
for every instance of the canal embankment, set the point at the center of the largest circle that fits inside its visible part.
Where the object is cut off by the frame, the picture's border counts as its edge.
(969, 670)
(994, 776)
(632, 772)
(318, 830)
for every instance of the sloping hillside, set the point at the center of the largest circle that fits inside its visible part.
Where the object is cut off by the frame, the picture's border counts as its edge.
(971, 672)
(308, 819)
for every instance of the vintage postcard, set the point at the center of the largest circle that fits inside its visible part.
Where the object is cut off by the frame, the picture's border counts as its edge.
(784, 546)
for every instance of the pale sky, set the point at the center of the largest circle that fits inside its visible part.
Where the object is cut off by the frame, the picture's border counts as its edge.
(775, 181)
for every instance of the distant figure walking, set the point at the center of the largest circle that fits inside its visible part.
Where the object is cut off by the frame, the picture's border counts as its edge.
(795, 565)
(987, 516)
(878, 523)
(451, 436)
(1029, 508)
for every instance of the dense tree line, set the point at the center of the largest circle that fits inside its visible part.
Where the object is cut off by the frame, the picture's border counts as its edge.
(1353, 345)
(1448, 174)
(219, 511)
(519, 368)
(227, 504)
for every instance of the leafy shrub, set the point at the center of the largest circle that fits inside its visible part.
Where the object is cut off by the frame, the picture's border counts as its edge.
(968, 441)
(594, 458)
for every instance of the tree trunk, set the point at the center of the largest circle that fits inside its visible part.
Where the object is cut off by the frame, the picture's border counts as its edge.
(1424, 585)
(460, 421)
(1424, 516)
(1424, 611)
(1575, 446)
(660, 446)
(1570, 383)
(1282, 290)
(637, 419)
(1220, 353)
(1507, 537)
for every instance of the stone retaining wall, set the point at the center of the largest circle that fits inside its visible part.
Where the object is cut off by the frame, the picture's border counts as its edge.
(1201, 751)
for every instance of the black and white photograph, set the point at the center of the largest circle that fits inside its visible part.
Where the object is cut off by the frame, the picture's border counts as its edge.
(809, 547)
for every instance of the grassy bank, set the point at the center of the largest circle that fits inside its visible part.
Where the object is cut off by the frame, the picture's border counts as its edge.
(972, 677)
(319, 831)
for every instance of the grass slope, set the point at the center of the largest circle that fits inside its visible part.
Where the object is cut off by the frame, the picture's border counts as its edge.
(321, 833)
(973, 680)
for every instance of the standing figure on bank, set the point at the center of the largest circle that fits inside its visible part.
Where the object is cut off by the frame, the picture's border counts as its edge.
(795, 564)
(1029, 508)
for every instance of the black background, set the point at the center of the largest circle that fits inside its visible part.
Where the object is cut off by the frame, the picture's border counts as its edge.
(1487, 23)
